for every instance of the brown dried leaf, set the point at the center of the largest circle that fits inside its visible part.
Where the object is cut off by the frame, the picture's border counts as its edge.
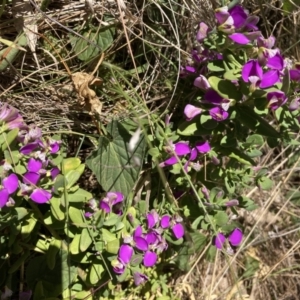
(82, 82)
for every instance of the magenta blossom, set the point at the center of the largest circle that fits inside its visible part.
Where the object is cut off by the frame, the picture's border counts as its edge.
(139, 278)
(203, 146)
(191, 111)
(218, 114)
(181, 149)
(202, 83)
(234, 238)
(276, 99)
(202, 32)
(111, 199)
(252, 72)
(10, 185)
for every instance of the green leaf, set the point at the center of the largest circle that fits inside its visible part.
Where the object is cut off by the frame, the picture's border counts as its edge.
(192, 128)
(9, 138)
(221, 218)
(225, 88)
(85, 240)
(71, 163)
(238, 155)
(289, 7)
(103, 38)
(107, 236)
(115, 167)
(207, 122)
(80, 195)
(57, 209)
(54, 281)
(216, 66)
(17, 264)
(111, 219)
(74, 246)
(53, 249)
(230, 185)
(265, 183)
(39, 291)
(28, 225)
(73, 175)
(254, 140)
(95, 274)
(76, 216)
(249, 118)
(21, 212)
(59, 184)
(113, 246)
(211, 253)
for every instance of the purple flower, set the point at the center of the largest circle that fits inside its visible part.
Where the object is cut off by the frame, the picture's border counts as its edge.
(234, 238)
(111, 199)
(125, 253)
(180, 149)
(276, 62)
(8, 113)
(16, 123)
(294, 105)
(10, 185)
(30, 147)
(266, 43)
(40, 196)
(191, 111)
(276, 99)
(31, 178)
(54, 172)
(165, 221)
(233, 202)
(152, 218)
(139, 278)
(202, 83)
(218, 114)
(202, 147)
(239, 38)
(178, 230)
(118, 266)
(295, 75)
(239, 16)
(34, 165)
(252, 72)
(202, 32)
(219, 240)
(150, 259)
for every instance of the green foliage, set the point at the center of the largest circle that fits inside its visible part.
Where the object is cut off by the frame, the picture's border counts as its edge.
(115, 166)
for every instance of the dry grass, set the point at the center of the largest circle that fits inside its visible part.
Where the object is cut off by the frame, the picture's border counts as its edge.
(43, 93)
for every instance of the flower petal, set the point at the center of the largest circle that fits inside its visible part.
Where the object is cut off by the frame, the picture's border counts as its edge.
(31, 178)
(150, 259)
(165, 221)
(3, 197)
(235, 237)
(191, 111)
(27, 149)
(139, 278)
(269, 79)
(40, 196)
(141, 243)
(11, 183)
(34, 165)
(125, 253)
(203, 147)
(219, 240)
(239, 38)
(178, 230)
(182, 148)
